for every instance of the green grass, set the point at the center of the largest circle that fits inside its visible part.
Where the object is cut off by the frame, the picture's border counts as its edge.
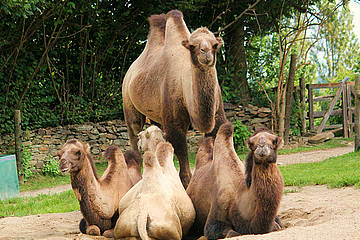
(57, 203)
(338, 171)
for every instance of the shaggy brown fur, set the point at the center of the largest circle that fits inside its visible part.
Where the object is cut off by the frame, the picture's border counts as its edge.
(174, 83)
(157, 207)
(98, 197)
(230, 201)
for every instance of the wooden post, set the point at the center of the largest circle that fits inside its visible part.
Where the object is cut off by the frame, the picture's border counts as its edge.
(302, 106)
(289, 97)
(311, 107)
(18, 146)
(357, 113)
(350, 111)
(345, 111)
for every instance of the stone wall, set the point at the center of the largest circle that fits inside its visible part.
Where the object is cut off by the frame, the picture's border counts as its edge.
(44, 143)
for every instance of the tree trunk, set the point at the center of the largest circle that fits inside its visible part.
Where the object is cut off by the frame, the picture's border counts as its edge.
(302, 108)
(238, 61)
(289, 97)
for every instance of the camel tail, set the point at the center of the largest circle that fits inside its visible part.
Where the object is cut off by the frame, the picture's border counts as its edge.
(142, 223)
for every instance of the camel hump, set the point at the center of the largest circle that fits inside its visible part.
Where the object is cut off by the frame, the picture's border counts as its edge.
(176, 30)
(114, 155)
(164, 153)
(205, 151)
(156, 35)
(226, 130)
(150, 160)
(132, 158)
(176, 14)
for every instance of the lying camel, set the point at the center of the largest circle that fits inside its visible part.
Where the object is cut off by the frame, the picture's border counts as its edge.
(98, 197)
(157, 207)
(150, 138)
(133, 162)
(174, 83)
(230, 201)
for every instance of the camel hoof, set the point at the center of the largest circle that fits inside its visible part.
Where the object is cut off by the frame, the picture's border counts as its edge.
(93, 230)
(232, 233)
(109, 233)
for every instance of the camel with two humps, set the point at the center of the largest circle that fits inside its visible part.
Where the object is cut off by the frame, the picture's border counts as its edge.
(98, 197)
(157, 207)
(231, 199)
(174, 83)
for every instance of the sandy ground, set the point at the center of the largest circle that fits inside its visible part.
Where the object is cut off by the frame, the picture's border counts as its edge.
(313, 212)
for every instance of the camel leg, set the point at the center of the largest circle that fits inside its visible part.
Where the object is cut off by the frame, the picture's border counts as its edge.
(109, 233)
(216, 226)
(93, 230)
(135, 122)
(178, 140)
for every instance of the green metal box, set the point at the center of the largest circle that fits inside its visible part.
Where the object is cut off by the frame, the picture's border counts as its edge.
(9, 184)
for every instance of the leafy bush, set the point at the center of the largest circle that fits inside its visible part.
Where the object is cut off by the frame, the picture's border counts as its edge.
(241, 134)
(51, 167)
(28, 170)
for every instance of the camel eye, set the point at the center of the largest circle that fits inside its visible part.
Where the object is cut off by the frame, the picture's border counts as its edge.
(78, 153)
(215, 46)
(192, 47)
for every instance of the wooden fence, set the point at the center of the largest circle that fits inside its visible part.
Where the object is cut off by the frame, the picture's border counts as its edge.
(344, 93)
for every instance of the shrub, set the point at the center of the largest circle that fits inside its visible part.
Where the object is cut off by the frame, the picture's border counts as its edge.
(241, 134)
(51, 167)
(28, 170)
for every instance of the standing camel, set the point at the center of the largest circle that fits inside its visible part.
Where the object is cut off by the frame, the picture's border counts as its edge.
(174, 83)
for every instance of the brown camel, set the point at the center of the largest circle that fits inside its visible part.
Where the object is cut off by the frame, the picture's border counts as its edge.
(98, 197)
(174, 83)
(133, 162)
(230, 201)
(157, 207)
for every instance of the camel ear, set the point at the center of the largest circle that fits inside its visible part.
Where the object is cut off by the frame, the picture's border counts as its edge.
(278, 143)
(220, 42)
(147, 135)
(251, 144)
(187, 44)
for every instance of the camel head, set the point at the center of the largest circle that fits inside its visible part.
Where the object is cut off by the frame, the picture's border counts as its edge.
(264, 144)
(203, 46)
(72, 156)
(149, 138)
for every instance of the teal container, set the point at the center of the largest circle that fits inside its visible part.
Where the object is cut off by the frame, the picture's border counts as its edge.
(9, 184)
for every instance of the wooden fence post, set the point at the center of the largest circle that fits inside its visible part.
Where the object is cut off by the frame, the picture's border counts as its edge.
(302, 106)
(311, 107)
(357, 113)
(18, 146)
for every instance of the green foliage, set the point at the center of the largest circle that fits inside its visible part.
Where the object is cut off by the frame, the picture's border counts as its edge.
(51, 167)
(28, 170)
(241, 134)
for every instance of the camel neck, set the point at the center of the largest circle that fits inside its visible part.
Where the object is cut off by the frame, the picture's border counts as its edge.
(204, 91)
(267, 185)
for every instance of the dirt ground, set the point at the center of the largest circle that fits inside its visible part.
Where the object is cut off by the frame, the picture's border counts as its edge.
(313, 212)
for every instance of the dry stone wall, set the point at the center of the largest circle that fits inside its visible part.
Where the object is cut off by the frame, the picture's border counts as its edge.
(44, 143)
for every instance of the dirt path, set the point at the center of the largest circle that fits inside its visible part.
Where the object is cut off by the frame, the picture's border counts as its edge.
(314, 212)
